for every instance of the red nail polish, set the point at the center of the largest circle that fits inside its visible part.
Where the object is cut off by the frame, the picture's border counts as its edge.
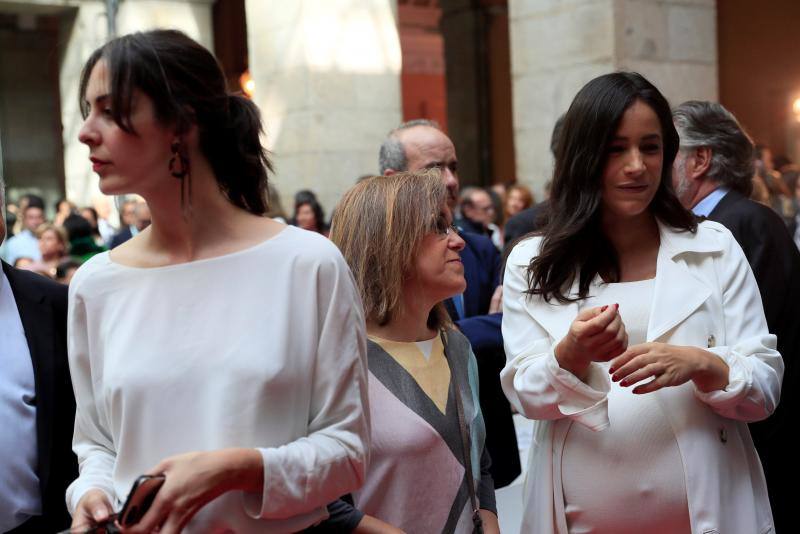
(611, 370)
(603, 308)
(616, 306)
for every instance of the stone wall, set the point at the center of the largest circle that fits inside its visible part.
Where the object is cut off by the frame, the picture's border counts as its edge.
(559, 45)
(89, 31)
(327, 80)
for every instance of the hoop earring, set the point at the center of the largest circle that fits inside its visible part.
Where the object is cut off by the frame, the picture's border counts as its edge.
(179, 168)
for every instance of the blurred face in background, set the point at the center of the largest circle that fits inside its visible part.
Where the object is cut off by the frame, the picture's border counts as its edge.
(126, 214)
(515, 202)
(89, 216)
(141, 216)
(306, 218)
(482, 208)
(50, 245)
(32, 218)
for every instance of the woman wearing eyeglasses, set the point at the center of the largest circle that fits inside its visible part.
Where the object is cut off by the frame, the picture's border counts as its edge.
(396, 234)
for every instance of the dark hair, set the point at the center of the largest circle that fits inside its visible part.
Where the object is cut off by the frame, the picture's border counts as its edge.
(187, 87)
(574, 243)
(709, 124)
(65, 265)
(95, 215)
(77, 227)
(34, 201)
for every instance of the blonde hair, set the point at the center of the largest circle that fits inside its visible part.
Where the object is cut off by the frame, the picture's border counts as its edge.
(58, 230)
(527, 197)
(379, 225)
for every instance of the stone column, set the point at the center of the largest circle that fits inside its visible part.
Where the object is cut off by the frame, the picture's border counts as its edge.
(558, 46)
(84, 31)
(327, 81)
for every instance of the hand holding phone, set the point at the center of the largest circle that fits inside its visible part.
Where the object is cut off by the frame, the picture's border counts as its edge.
(141, 496)
(139, 500)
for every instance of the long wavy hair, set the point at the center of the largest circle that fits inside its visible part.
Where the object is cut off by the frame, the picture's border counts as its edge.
(573, 243)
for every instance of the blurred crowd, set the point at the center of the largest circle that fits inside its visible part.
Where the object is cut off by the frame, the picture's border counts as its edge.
(55, 247)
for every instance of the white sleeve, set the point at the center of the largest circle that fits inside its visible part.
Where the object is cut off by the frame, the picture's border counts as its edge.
(755, 367)
(91, 441)
(532, 379)
(330, 461)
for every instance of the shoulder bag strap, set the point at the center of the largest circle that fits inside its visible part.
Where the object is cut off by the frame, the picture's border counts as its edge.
(465, 441)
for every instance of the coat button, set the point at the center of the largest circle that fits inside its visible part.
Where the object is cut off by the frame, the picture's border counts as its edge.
(723, 435)
(712, 341)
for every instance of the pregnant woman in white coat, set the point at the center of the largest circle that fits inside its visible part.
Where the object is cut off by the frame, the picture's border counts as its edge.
(636, 339)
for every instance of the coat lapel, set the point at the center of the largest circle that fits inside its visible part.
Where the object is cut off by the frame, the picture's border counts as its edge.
(678, 293)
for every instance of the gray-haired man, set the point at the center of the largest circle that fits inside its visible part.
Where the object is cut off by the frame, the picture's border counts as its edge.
(712, 175)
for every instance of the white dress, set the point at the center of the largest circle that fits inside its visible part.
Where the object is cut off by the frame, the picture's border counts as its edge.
(261, 348)
(634, 463)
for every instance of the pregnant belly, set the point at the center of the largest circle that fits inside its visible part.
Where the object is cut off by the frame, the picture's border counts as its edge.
(628, 478)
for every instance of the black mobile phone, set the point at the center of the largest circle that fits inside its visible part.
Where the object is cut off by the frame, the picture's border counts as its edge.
(141, 496)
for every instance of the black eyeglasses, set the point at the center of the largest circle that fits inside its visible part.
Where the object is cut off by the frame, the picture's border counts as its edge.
(444, 228)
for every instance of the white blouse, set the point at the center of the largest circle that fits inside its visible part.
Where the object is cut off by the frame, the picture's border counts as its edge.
(261, 348)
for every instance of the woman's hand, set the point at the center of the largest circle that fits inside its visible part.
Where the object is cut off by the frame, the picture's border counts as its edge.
(93, 508)
(373, 525)
(671, 365)
(194, 479)
(490, 523)
(496, 304)
(596, 335)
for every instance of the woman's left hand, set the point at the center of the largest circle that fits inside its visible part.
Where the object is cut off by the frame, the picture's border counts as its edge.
(670, 365)
(193, 480)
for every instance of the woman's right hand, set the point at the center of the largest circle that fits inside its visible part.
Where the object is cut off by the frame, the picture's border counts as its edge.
(373, 525)
(93, 508)
(596, 335)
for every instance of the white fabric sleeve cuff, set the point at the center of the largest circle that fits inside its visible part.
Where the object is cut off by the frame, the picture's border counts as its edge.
(80, 487)
(584, 402)
(264, 505)
(739, 381)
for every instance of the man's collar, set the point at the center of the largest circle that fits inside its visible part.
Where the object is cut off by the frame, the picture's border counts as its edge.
(707, 205)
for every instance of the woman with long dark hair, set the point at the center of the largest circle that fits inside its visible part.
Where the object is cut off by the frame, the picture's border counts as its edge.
(217, 347)
(635, 338)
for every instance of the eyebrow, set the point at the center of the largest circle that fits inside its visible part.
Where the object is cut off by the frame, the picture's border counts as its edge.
(99, 99)
(649, 137)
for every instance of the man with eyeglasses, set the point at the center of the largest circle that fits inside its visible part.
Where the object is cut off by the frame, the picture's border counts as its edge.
(421, 144)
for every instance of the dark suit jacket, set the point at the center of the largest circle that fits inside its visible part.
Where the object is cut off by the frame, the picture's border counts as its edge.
(775, 261)
(523, 223)
(482, 271)
(42, 306)
(120, 237)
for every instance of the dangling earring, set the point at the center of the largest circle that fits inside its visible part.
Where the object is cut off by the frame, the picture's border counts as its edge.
(178, 163)
(179, 168)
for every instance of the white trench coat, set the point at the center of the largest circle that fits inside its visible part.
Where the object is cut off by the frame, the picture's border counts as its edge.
(705, 296)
